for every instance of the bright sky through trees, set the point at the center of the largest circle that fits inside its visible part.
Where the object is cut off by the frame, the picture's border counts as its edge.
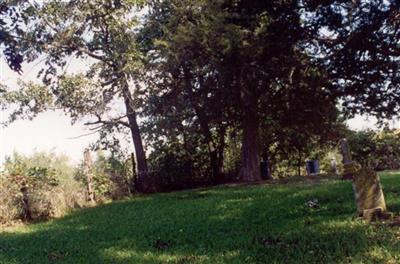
(53, 130)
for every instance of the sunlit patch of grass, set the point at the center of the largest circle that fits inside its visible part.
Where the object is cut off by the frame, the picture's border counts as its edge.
(240, 224)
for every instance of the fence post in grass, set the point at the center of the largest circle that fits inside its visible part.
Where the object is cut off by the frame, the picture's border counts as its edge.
(367, 188)
(87, 169)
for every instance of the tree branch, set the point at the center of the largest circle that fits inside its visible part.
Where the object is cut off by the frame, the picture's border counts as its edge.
(115, 121)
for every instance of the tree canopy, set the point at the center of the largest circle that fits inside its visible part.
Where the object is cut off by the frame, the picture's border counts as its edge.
(209, 77)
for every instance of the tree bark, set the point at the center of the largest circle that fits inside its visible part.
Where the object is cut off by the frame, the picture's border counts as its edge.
(220, 155)
(144, 183)
(250, 170)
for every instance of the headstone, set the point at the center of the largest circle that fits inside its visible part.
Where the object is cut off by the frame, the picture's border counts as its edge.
(368, 191)
(316, 166)
(265, 174)
(349, 167)
(367, 188)
(334, 169)
(312, 167)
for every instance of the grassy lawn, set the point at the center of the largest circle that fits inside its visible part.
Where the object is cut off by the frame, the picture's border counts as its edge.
(243, 224)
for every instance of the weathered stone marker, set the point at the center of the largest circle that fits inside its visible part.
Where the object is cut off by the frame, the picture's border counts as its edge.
(366, 186)
(349, 167)
(334, 168)
(312, 167)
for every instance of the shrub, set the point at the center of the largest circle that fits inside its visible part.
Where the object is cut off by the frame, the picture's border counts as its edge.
(378, 150)
(10, 207)
(38, 187)
(173, 169)
(112, 177)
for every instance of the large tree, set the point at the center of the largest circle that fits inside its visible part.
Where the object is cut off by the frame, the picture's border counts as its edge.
(238, 63)
(103, 33)
(184, 78)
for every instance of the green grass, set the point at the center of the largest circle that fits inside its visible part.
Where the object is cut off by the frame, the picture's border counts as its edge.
(244, 224)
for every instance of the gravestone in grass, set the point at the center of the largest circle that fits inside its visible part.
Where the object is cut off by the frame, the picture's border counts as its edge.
(265, 173)
(334, 168)
(367, 188)
(312, 167)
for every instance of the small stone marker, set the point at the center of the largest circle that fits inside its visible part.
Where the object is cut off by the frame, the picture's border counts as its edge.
(265, 173)
(367, 188)
(334, 169)
(312, 167)
(349, 167)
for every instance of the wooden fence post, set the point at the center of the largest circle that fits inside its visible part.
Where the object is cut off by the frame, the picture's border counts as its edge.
(88, 163)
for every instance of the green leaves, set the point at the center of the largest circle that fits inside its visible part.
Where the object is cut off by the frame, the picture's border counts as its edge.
(26, 102)
(32, 173)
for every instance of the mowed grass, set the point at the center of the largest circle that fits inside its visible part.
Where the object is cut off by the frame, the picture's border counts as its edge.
(243, 224)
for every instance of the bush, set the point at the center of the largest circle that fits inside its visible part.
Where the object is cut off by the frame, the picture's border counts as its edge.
(10, 207)
(38, 187)
(66, 196)
(377, 150)
(112, 177)
(173, 169)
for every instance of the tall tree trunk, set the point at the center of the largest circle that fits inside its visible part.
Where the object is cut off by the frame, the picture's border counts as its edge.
(299, 164)
(250, 170)
(143, 182)
(220, 154)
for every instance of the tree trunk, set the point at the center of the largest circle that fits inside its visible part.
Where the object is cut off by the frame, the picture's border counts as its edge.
(204, 122)
(299, 164)
(143, 182)
(26, 214)
(250, 170)
(220, 155)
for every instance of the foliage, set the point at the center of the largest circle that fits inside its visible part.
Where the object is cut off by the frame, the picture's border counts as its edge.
(242, 224)
(379, 150)
(38, 187)
(112, 176)
(205, 73)
(31, 173)
(357, 45)
(13, 17)
(175, 169)
(331, 156)
(220, 65)
(103, 33)
(10, 202)
(28, 101)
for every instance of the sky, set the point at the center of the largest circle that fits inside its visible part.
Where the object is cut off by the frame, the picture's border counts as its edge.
(53, 131)
(49, 131)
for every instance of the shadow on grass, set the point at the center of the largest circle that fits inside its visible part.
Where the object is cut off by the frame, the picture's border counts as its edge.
(253, 224)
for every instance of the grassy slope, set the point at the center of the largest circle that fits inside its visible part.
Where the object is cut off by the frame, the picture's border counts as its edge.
(247, 224)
